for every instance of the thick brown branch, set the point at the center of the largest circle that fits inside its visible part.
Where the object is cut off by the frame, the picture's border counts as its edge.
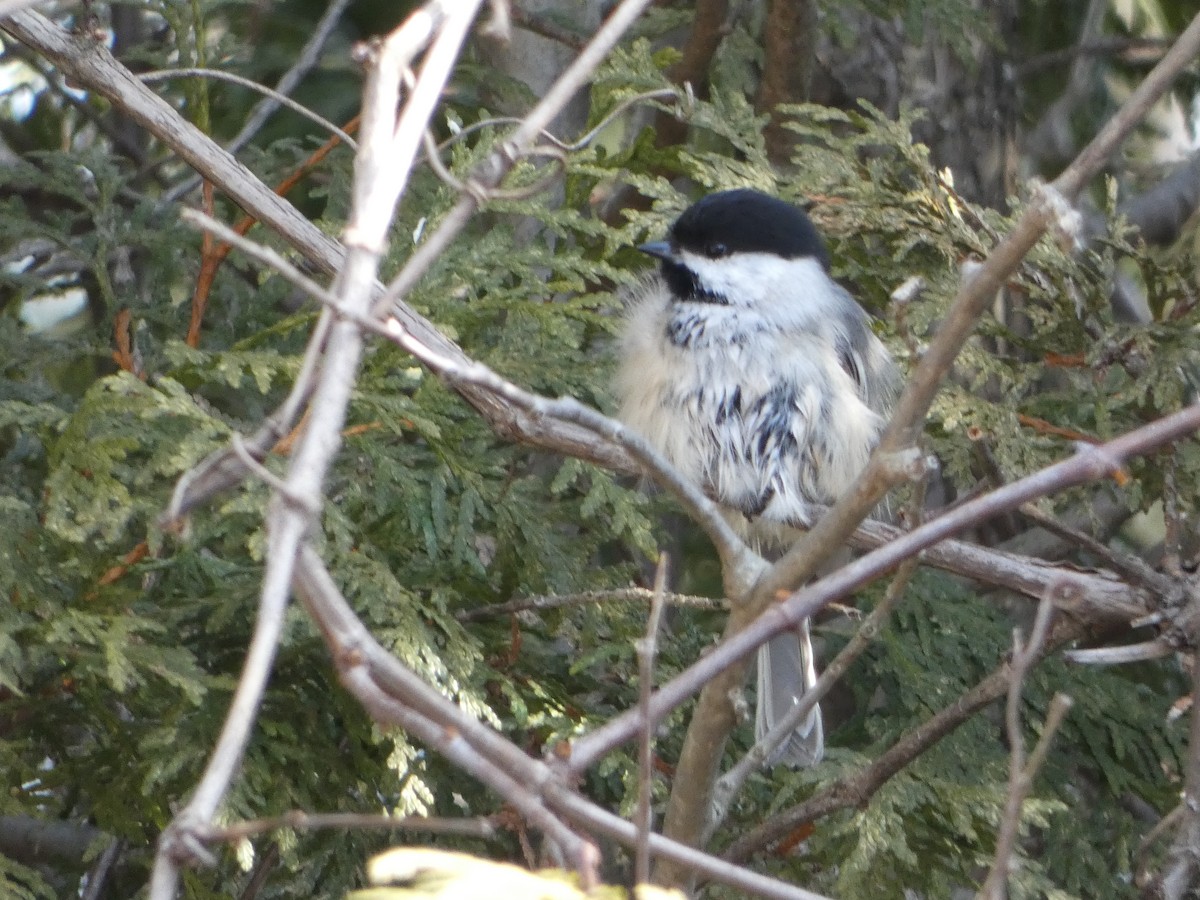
(789, 48)
(703, 40)
(47, 841)
(1098, 596)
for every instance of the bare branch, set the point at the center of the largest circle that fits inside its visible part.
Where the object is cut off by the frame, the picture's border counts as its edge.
(97, 876)
(618, 829)
(279, 99)
(1021, 773)
(260, 252)
(347, 637)
(498, 165)
(36, 841)
(646, 649)
(1050, 140)
(558, 601)
(701, 751)
(87, 63)
(1120, 655)
(1099, 596)
(705, 36)
(1087, 464)
(856, 789)
(1183, 862)
(9, 7)
(728, 786)
(546, 28)
(337, 345)
(1163, 827)
(389, 145)
(789, 52)
(178, 844)
(309, 54)
(1122, 47)
(1126, 564)
(582, 853)
(299, 820)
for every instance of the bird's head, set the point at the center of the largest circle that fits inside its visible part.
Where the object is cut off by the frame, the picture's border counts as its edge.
(738, 248)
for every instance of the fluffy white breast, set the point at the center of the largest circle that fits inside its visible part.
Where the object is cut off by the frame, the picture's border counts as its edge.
(749, 399)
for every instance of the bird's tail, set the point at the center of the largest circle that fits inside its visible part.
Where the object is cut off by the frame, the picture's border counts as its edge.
(786, 670)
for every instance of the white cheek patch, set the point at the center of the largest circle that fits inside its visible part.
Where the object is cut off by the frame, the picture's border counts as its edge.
(769, 284)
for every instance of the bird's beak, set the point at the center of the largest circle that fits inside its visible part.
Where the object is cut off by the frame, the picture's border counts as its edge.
(661, 249)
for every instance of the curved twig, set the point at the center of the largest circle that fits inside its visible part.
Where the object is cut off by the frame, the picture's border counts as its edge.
(221, 75)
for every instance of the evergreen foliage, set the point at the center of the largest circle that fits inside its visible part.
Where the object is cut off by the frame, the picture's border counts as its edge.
(114, 679)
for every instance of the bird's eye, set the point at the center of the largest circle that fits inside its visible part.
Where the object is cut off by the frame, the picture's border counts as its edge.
(716, 250)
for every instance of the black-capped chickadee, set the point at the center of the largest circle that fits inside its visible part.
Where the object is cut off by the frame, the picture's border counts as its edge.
(760, 379)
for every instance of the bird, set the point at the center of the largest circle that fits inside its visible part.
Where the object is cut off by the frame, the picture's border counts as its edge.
(761, 381)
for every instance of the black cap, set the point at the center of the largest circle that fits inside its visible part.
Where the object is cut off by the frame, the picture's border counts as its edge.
(746, 221)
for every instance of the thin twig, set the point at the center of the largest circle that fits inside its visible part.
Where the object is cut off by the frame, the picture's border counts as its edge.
(1020, 771)
(298, 820)
(546, 28)
(1139, 47)
(1046, 209)
(266, 863)
(1099, 594)
(308, 57)
(731, 783)
(1164, 826)
(646, 649)
(1126, 564)
(1182, 864)
(92, 66)
(742, 880)
(383, 708)
(97, 876)
(179, 843)
(264, 254)
(1122, 654)
(483, 194)
(523, 137)
(1060, 705)
(1050, 140)
(567, 147)
(585, 598)
(120, 137)
(856, 789)
(278, 98)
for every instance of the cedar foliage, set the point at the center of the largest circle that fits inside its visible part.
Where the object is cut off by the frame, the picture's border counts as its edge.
(113, 689)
